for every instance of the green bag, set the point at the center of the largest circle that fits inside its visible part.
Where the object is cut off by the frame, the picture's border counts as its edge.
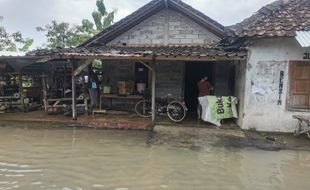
(221, 107)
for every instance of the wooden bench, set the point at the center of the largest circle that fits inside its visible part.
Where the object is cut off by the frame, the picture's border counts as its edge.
(303, 125)
(117, 97)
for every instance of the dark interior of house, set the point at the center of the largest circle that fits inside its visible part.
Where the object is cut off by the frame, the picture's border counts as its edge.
(195, 71)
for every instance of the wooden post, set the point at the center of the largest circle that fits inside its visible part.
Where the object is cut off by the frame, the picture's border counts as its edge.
(85, 95)
(74, 111)
(44, 83)
(21, 92)
(65, 86)
(153, 93)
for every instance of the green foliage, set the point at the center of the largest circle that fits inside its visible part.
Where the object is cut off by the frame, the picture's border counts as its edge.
(97, 19)
(63, 35)
(27, 44)
(101, 17)
(14, 41)
(101, 7)
(108, 20)
(58, 34)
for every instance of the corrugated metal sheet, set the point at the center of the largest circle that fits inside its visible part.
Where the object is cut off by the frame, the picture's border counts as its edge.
(303, 37)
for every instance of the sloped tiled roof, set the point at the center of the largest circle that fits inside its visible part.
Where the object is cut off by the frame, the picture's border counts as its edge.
(138, 51)
(281, 18)
(148, 10)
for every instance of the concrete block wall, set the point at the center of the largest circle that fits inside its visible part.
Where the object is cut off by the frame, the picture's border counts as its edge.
(169, 79)
(167, 28)
(169, 75)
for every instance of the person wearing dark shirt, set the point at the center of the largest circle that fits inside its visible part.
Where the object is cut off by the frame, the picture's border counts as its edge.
(205, 88)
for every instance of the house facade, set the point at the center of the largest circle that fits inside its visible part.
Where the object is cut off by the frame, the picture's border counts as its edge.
(170, 46)
(278, 68)
(181, 45)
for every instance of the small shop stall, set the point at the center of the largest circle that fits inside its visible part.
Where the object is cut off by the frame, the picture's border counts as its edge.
(57, 89)
(20, 88)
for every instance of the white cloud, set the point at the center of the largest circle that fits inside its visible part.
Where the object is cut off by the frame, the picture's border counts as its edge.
(26, 15)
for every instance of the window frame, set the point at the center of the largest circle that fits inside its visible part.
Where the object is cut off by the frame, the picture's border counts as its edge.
(289, 106)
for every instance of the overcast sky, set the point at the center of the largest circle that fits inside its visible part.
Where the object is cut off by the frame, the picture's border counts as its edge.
(26, 15)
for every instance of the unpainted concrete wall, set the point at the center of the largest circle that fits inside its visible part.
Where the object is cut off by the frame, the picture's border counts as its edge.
(266, 59)
(167, 27)
(169, 76)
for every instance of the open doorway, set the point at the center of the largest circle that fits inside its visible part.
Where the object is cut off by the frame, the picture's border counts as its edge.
(194, 71)
(142, 74)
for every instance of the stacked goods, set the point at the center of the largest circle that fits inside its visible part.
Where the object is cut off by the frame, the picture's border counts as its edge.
(125, 88)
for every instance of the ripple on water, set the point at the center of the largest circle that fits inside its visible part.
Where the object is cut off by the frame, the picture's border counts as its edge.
(120, 160)
(37, 183)
(98, 185)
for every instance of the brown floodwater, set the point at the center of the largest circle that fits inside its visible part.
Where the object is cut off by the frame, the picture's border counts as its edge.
(67, 159)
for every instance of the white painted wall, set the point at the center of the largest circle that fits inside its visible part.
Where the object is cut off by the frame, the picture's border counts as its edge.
(267, 57)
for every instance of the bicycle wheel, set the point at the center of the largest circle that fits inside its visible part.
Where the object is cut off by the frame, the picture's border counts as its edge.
(144, 108)
(176, 111)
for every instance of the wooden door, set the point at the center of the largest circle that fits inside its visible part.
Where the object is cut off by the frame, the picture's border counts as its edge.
(300, 85)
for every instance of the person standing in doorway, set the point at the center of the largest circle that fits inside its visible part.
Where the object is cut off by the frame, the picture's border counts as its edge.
(205, 88)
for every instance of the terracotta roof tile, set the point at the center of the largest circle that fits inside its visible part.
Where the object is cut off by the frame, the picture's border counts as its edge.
(111, 51)
(278, 19)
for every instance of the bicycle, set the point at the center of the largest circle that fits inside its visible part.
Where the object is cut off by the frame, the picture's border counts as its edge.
(175, 110)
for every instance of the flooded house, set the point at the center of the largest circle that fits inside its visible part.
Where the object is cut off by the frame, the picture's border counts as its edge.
(166, 47)
(278, 66)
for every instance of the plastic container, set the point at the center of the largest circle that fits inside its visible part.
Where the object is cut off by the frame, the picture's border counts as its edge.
(141, 88)
(107, 90)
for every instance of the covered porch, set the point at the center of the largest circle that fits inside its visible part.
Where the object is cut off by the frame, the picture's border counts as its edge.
(164, 70)
(64, 76)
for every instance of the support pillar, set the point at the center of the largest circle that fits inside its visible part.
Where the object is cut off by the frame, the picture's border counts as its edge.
(44, 84)
(153, 93)
(21, 92)
(74, 111)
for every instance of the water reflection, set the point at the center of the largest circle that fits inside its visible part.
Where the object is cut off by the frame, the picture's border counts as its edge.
(121, 160)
